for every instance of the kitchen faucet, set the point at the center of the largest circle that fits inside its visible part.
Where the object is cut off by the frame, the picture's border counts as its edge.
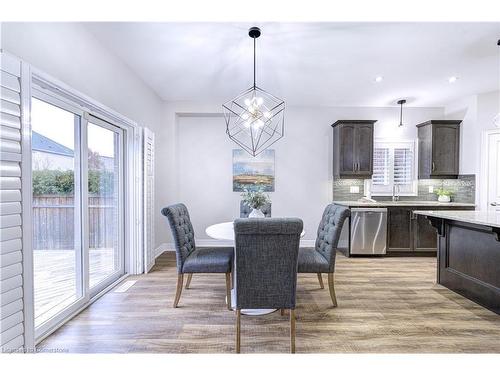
(395, 193)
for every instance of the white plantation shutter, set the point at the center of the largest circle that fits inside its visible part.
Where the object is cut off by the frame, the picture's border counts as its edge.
(393, 164)
(403, 166)
(11, 246)
(380, 166)
(149, 214)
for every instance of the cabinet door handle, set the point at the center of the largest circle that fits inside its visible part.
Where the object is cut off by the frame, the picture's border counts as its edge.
(494, 204)
(433, 166)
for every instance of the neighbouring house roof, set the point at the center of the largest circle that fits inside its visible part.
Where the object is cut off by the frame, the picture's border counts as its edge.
(44, 144)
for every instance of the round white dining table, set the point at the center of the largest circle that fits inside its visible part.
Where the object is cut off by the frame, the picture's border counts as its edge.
(225, 232)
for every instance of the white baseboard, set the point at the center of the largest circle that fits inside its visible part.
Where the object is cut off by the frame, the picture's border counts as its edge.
(161, 249)
(307, 243)
(213, 243)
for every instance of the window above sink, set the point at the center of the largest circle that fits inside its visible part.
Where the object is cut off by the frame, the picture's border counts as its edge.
(394, 166)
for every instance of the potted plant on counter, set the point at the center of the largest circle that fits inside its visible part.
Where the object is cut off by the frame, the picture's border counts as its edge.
(443, 195)
(256, 199)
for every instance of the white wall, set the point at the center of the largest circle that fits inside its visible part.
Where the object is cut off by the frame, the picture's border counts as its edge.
(202, 159)
(71, 54)
(477, 113)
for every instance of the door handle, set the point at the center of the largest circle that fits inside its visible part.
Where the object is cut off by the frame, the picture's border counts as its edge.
(494, 204)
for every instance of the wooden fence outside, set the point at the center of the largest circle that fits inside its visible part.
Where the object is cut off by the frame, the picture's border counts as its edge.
(54, 222)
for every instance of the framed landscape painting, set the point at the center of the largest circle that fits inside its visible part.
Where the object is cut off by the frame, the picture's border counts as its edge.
(253, 172)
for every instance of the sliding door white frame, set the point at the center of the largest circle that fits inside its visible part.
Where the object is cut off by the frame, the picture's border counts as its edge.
(81, 256)
(132, 190)
(132, 163)
(110, 279)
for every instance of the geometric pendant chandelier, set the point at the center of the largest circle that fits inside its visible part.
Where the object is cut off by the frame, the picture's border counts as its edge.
(255, 119)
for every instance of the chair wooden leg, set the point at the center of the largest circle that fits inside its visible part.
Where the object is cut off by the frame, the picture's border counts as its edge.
(228, 290)
(331, 286)
(320, 279)
(188, 282)
(180, 281)
(292, 331)
(282, 312)
(238, 330)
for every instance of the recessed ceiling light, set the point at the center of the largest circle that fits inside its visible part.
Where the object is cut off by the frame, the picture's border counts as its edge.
(379, 79)
(452, 79)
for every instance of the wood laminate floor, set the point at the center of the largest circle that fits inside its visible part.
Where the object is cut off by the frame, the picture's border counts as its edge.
(386, 305)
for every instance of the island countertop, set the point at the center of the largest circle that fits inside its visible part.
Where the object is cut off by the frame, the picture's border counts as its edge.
(489, 218)
(402, 204)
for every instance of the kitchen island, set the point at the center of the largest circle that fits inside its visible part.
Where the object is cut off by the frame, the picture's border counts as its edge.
(406, 233)
(469, 254)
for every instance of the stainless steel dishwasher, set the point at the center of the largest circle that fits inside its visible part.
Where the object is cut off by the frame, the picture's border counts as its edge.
(368, 231)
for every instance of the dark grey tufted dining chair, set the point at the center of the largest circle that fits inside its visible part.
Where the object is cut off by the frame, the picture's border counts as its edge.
(245, 210)
(321, 258)
(265, 272)
(191, 259)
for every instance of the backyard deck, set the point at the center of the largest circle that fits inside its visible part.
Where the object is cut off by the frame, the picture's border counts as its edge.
(55, 280)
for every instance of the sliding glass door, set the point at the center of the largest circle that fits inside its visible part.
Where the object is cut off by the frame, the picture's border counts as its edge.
(56, 216)
(78, 213)
(104, 204)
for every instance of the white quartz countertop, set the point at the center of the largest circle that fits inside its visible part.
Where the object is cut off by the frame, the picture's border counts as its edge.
(489, 218)
(402, 204)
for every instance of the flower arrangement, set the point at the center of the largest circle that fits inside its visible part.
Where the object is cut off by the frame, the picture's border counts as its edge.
(255, 198)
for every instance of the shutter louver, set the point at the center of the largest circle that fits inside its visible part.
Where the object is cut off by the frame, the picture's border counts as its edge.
(380, 166)
(11, 256)
(403, 167)
(148, 175)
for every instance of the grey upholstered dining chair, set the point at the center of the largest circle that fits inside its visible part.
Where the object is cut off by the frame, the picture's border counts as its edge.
(265, 271)
(245, 210)
(191, 259)
(321, 258)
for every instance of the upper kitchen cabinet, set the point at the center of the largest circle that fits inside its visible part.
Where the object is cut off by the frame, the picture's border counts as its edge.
(353, 148)
(438, 149)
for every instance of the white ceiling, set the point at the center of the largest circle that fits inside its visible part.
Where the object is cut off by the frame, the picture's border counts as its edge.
(311, 63)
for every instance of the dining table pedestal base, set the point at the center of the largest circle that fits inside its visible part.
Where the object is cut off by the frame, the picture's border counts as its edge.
(253, 312)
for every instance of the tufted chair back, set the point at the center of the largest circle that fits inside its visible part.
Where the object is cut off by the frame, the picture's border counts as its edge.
(329, 231)
(266, 256)
(245, 210)
(182, 231)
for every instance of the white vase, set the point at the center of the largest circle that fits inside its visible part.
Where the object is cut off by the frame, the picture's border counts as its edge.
(256, 213)
(444, 198)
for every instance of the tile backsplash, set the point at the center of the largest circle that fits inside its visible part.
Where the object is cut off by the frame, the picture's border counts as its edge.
(463, 189)
(341, 189)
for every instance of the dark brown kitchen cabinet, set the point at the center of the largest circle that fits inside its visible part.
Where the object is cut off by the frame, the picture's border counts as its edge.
(425, 238)
(353, 148)
(438, 149)
(407, 232)
(399, 236)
